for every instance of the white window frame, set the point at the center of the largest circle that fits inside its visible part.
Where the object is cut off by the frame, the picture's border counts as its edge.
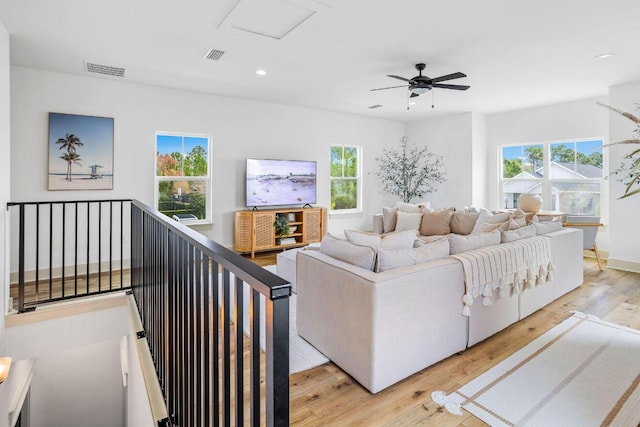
(547, 181)
(358, 179)
(208, 202)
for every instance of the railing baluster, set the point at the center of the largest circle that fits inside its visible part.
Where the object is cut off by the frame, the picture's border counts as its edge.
(37, 251)
(51, 251)
(75, 251)
(21, 261)
(64, 235)
(255, 357)
(216, 320)
(88, 242)
(99, 246)
(206, 376)
(110, 245)
(239, 368)
(226, 344)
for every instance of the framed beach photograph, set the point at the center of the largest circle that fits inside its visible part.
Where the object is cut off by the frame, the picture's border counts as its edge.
(80, 152)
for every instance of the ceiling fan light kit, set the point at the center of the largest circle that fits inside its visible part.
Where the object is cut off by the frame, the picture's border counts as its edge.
(420, 84)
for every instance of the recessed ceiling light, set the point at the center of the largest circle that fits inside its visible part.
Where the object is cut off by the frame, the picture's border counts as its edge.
(412, 103)
(604, 55)
(261, 72)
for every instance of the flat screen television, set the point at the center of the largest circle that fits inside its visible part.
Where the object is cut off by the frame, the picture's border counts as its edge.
(280, 182)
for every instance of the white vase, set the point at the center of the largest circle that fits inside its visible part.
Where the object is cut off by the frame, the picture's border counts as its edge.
(529, 202)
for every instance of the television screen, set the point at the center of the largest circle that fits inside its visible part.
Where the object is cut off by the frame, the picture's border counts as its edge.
(280, 182)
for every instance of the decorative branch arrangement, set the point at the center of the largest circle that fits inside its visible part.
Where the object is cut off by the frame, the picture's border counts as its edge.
(409, 172)
(629, 170)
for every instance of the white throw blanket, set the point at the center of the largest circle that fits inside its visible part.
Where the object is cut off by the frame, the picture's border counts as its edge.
(513, 266)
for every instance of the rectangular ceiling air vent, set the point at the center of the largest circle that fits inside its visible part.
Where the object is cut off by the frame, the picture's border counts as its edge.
(213, 54)
(375, 106)
(107, 70)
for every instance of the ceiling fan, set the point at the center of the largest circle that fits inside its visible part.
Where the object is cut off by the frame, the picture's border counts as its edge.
(422, 84)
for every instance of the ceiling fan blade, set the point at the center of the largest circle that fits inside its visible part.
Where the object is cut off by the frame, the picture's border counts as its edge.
(399, 78)
(390, 87)
(455, 87)
(452, 76)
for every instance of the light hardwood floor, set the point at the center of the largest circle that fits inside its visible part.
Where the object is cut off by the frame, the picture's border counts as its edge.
(329, 397)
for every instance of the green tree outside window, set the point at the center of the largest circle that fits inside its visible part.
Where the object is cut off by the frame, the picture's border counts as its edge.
(345, 177)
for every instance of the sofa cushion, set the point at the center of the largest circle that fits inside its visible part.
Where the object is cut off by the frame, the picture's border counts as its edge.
(394, 240)
(344, 250)
(408, 221)
(547, 227)
(389, 259)
(389, 219)
(520, 233)
(459, 244)
(436, 222)
(463, 222)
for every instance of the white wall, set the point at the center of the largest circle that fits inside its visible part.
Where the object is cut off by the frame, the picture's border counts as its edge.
(624, 230)
(566, 121)
(77, 376)
(451, 137)
(5, 177)
(79, 386)
(239, 129)
(479, 157)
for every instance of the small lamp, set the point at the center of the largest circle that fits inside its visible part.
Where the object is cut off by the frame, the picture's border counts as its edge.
(5, 365)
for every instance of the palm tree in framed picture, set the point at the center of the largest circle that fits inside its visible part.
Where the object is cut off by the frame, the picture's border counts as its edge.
(71, 158)
(70, 142)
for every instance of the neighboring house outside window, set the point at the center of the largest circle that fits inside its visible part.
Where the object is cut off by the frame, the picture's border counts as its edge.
(568, 175)
(346, 187)
(183, 177)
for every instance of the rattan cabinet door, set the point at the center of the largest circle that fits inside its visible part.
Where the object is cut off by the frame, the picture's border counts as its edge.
(264, 230)
(311, 225)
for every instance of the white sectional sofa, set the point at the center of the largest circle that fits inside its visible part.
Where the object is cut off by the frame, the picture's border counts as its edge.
(383, 327)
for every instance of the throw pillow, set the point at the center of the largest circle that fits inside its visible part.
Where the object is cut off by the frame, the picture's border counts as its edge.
(410, 208)
(463, 222)
(487, 217)
(389, 259)
(408, 221)
(389, 219)
(459, 244)
(344, 250)
(394, 240)
(425, 240)
(520, 233)
(436, 222)
(547, 227)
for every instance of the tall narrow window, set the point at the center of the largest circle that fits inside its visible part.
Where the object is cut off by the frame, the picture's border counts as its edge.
(183, 177)
(345, 178)
(567, 174)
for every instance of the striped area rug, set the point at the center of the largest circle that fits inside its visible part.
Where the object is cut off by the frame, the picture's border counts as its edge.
(583, 372)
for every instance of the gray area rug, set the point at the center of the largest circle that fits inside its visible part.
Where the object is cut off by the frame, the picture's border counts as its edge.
(302, 355)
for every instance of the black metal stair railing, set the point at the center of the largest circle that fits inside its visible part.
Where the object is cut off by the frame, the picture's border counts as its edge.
(68, 249)
(184, 285)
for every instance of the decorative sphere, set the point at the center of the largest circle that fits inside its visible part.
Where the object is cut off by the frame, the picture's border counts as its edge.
(529, 202)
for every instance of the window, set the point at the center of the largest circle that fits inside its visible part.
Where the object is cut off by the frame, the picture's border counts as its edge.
(568, 175)
(345, 178)
(183, 177)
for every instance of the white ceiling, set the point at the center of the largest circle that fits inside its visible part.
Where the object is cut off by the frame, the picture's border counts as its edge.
(516, 53)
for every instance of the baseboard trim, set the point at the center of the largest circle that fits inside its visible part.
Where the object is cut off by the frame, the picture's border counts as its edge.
(69, 270)
(620, 264)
